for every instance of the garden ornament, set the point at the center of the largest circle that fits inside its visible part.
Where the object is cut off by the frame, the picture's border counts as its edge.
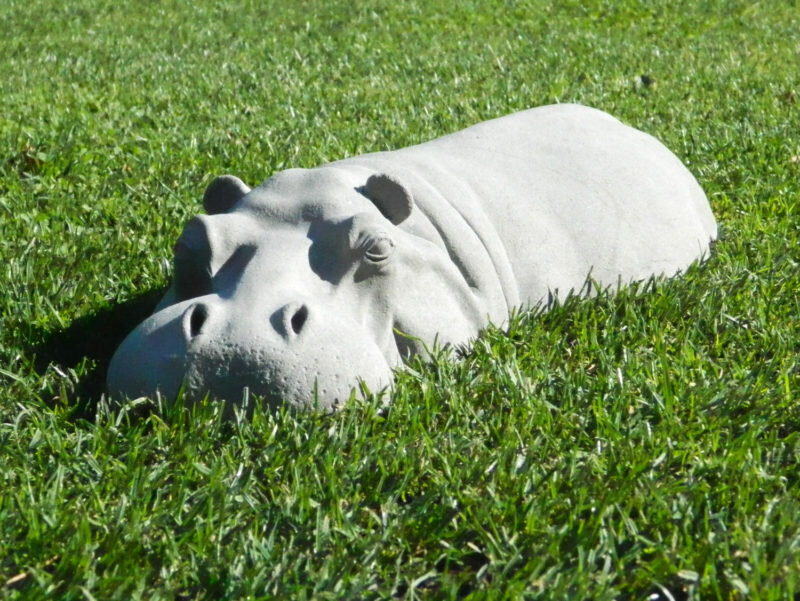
(322, 279)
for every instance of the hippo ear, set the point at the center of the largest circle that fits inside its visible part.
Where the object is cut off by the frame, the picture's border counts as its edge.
(390, 196)
(223, 193)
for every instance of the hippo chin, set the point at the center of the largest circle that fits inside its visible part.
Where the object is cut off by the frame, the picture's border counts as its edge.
(322, 280)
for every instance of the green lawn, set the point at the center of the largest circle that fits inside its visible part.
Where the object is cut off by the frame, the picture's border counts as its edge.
(638, 446)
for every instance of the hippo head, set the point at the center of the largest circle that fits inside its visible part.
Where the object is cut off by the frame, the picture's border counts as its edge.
(299, 290)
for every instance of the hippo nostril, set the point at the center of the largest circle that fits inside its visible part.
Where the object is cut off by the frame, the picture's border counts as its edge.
(199, 314)
(299, 319)
(290, 320)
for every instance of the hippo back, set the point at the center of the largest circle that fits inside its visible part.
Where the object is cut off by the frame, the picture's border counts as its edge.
(569, 191)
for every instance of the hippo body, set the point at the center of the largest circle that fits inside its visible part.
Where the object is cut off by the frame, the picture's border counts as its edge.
(322, 278)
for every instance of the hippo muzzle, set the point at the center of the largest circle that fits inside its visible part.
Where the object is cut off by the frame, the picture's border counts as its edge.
(287, 355)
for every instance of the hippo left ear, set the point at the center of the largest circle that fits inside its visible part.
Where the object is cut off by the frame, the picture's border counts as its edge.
(390, 196)
(224, 192)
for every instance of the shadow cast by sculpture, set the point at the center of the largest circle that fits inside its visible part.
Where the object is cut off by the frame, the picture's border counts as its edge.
(92, 337)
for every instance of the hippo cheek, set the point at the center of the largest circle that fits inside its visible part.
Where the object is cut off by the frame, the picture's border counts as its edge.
(318, 364)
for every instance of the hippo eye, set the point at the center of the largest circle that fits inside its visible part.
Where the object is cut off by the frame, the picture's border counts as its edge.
(378, 249)
(192, 272)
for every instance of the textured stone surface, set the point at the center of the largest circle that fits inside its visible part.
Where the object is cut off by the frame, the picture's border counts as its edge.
(318, 279)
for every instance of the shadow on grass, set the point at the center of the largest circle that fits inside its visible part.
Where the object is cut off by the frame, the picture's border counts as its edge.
(94, 338)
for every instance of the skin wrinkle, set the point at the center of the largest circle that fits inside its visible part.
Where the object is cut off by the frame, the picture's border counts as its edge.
(459, 237)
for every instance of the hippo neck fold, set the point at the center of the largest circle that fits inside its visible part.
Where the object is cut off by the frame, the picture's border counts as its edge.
(464, 229)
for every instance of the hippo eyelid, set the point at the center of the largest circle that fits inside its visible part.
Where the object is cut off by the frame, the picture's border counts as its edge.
(369, 239)
(379, 249)
(375, 246)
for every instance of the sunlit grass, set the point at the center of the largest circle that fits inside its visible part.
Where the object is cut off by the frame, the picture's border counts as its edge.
(637, 446)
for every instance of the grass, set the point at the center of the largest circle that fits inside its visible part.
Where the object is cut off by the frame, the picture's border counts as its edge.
(637, 446)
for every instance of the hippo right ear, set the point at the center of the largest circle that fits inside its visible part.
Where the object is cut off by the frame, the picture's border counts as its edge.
(223, 193)
(390, 196)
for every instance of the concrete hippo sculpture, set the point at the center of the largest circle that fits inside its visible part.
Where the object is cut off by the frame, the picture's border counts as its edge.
(319, 278)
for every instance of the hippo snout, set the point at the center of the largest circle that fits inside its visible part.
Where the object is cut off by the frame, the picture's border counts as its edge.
(300, 353)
